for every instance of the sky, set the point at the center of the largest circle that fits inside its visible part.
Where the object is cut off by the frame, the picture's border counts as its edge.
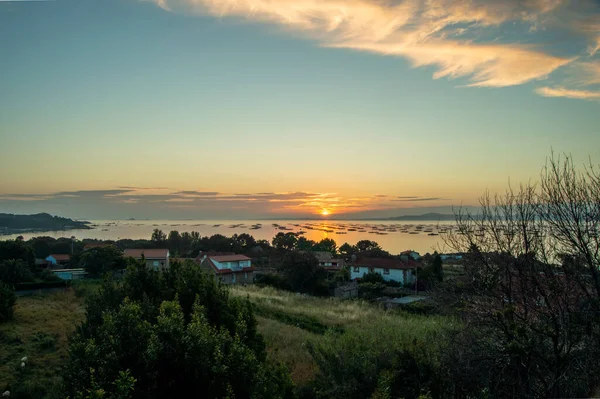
(288, 108)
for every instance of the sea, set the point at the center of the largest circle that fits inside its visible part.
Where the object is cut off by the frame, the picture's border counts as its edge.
(392, 236)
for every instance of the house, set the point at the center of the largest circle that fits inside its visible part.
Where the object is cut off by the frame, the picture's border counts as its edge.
(157, 259)
(410, 254)
(57, 259)
(230, 269)
(70, 274)
(401, 271)
(328, 262)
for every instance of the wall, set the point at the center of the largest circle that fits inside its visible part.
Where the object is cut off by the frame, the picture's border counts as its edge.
(394, 275)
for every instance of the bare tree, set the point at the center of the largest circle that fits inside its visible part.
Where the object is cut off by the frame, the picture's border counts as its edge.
(531, 291)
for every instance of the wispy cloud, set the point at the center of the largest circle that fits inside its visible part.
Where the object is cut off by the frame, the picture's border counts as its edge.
(460, 38)
(129, 200)
(568, 93)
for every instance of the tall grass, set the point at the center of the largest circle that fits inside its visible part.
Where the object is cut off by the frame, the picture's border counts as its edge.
(39, 331)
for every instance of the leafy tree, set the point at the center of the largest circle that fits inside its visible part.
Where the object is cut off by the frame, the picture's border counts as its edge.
(437, 270)
(304, 244)
(174, 332)
(347, 250)
(17, 249)
(158, 237)
(174, 242)
(372, 277)
(14, 271)
(100, 260)
(327, 245)
(7, 302)
(367, 246)
(285, 241)
(244, 241)
(303, 273)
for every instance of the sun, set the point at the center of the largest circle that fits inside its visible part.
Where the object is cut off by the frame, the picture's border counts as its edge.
(325, 212)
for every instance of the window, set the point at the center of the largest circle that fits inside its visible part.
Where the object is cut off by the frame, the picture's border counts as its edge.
(371, 270)
(386, 271)
(155, 263)
(245, 275)
(333, 263)
(356, 269)
(233, 278)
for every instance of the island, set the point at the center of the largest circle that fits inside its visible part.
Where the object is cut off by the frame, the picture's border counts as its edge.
(14, 224)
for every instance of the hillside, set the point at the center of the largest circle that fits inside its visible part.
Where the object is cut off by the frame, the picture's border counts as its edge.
(11, 224)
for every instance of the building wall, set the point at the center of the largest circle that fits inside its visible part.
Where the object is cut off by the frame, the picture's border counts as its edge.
(236, 278)
(401, 276)
(157, 264)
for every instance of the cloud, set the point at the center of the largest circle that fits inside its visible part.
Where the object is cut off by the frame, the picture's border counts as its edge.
(426, 32)
(208, 193)
(419, 199)
(91, 193)
(568, 93)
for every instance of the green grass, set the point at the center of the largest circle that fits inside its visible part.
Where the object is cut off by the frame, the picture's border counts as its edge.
(353, 320)
(39, 330)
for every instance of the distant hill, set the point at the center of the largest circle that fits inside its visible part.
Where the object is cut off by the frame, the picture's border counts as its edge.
(426, 216)
(12, 224)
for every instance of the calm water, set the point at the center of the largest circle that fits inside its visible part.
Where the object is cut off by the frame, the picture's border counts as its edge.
(392, 236)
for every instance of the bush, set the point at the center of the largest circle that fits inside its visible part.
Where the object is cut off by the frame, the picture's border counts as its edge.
(273, 280)
(173, 332)
(372, 277)
(14, 271)
(7, 302)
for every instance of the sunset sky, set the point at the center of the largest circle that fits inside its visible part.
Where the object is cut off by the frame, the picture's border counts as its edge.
(267, 108)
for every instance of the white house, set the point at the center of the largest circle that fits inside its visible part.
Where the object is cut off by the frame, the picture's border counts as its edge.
(157, 259)
(390, 269)
(230, 269)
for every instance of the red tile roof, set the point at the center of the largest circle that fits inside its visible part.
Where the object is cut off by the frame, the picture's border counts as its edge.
(148, 253)
(61, 257)
(229, 258)
(384, 263)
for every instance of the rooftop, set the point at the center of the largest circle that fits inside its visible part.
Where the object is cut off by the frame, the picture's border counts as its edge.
(148, 253)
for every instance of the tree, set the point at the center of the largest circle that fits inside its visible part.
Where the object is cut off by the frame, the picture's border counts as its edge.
(327, 245)
(347, 250)
(174, 242)
(101, 260)
(367, 246)
(17, 249)
(285, 241)
(7, 302)
(173, 332)
(244, 241)
(303, 273)
(14, 271)
(158, 237)
(531, 289)
(304, 244)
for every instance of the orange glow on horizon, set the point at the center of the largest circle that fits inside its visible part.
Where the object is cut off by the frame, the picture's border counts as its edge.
(325, 212)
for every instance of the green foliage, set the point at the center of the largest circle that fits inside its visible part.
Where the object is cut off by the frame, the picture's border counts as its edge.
(308, 323)
(7, 302)
(158, 237)
(303, 273)
(273, 280)
(176, 332)
(326, 245)
(17, 250)
(14, 271)
(101, 260)
(285, 241)
(372, 277)
(371, 290)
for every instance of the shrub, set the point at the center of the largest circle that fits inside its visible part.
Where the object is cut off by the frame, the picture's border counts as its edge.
(14, 271)
(7, 302)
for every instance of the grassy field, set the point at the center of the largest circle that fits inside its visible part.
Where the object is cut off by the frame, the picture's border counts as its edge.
(39, 331)
(287, 337)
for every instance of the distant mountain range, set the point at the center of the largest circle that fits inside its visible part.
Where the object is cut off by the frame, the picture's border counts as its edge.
(13, 224)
